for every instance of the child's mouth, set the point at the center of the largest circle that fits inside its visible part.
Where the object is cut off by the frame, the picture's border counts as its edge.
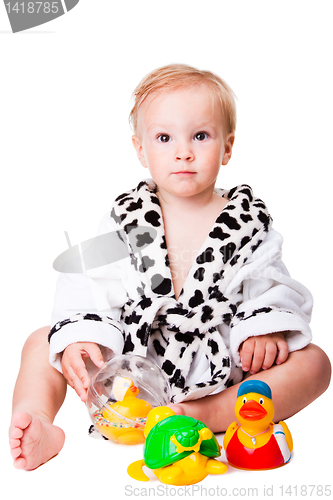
(184, 172)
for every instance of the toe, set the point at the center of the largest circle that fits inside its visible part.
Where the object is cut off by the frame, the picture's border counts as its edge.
(21, 420)
(19, 463)
(16, 452)
(17, 433)
(177, 408)
(14, 443)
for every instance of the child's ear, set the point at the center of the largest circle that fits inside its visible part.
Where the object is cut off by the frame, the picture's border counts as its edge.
(139, 150)
(228, 145)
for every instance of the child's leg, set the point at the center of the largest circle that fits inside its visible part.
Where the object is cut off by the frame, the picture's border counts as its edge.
(39, 393)
(302, 378)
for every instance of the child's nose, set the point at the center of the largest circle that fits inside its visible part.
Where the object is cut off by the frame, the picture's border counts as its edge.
(184, 153)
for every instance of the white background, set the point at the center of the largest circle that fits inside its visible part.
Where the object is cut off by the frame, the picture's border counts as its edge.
(66, 152)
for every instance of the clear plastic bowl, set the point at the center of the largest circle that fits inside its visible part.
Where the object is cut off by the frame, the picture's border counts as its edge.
(122, 393)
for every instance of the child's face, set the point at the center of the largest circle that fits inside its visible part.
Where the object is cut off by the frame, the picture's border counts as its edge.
(182, 140)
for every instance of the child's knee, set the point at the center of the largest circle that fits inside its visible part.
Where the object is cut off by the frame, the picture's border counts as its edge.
(317, 366)
(38, 339)
(323, 366)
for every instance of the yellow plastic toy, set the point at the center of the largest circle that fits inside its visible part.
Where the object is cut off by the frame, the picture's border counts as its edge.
(124, 421)
(121, 394)
(257, 443)
(178, 449)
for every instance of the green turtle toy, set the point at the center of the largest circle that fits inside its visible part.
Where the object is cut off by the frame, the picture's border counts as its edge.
(179, 449)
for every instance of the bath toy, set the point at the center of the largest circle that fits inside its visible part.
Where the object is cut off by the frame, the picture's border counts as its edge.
(179, 449)
(257, 443)
(122, 393)
(111, 421)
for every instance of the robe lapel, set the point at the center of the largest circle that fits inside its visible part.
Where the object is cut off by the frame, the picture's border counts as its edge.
(177, 330)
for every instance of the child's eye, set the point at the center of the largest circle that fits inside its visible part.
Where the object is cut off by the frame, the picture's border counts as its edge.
(200, 136)
(164, 138)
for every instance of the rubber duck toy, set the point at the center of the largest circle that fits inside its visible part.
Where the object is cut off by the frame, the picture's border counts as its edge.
(178, 449)
(124, 421)
(257, 443)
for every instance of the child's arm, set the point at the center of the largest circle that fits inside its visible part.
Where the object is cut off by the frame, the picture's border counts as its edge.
(269, 300)
(262, 351)
(74, 368)
(87, 306)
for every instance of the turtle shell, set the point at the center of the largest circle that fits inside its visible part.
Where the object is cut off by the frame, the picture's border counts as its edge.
(159, 451)
(187, 437)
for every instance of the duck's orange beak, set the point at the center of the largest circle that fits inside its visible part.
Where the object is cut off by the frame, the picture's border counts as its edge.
(134, 389)
(251, 410)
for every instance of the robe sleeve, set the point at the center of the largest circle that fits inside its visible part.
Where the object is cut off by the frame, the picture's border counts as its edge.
(87, 307)
(269, 300)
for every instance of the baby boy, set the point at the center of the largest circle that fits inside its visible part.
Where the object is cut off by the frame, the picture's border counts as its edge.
(209, 299)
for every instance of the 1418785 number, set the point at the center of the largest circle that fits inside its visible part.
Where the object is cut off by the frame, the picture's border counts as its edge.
(33, 7)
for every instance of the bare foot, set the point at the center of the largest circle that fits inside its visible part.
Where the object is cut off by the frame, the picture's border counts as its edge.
(193, 409)
(196, 409)
(33, 441)
(216, 411)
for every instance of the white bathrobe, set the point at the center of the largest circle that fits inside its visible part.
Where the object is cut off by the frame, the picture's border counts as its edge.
(237, 287)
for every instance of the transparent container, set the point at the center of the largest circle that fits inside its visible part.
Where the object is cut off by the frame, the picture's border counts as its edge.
(122, 393)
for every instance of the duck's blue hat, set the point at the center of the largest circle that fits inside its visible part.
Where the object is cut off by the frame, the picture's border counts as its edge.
(256, 386)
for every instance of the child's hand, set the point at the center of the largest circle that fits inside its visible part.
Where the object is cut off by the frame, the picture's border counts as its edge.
(261, 352)
(74, 368)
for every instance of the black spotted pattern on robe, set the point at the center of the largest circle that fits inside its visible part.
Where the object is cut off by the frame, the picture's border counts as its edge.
(84, 317)
(134, 205)
(176, 331)
(153, 218)
(196, 299)
(160, 285)
(206, 256)
(146, 263)
(228, 220)
(199, 274)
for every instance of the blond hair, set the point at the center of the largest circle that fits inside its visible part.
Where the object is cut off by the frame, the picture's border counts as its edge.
(174, 76)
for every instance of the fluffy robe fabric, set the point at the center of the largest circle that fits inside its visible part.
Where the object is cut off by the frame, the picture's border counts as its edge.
(237, 287)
